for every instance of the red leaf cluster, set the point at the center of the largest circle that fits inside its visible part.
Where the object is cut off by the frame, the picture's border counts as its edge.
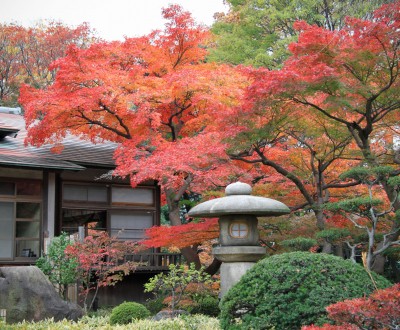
(183, 235)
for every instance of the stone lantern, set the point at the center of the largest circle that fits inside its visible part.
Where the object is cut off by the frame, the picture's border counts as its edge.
(237, 211)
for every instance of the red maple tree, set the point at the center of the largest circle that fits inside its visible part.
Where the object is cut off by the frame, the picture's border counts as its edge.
(100, 262)
(155, 96)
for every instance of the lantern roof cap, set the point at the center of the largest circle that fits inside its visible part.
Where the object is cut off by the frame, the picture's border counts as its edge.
(238, 200)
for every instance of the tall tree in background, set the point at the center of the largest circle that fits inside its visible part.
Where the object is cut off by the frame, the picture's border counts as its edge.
(258, 32)
(10, 67)
(26, 54)
(347, 83)
(155, 96)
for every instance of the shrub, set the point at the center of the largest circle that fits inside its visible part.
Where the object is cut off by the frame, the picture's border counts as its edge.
(127, 311)
(206, 305)
(299, 243)
(155, 305)
(293, 289)
(60, 270)
(174, 284)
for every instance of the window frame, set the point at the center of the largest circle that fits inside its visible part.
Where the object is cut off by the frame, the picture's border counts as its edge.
(110, 206)
(15, 199)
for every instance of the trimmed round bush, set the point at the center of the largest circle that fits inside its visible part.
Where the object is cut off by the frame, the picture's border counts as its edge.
(206, 305)
(127, 311)
(290, 290)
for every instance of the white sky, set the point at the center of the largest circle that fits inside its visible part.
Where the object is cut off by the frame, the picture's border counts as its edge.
(112, 19)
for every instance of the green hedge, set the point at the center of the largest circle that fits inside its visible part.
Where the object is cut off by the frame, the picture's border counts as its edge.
(292, 289)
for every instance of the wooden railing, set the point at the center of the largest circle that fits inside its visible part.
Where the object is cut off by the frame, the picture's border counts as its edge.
(146, 260)
(154, 260)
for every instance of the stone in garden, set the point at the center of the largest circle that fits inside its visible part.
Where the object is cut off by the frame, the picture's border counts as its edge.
(168, 314)
(27, 294)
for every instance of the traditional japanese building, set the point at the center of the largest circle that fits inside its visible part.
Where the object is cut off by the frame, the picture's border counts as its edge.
(43, 194)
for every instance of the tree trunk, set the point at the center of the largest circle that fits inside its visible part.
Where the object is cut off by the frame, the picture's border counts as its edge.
(189, 253)
(213, 267)
(338, 250)
(319, 214)
(327, 247)
(378, 262)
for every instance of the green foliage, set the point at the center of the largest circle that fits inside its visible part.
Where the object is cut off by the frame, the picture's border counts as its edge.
(299, 243)
(358, 205)
(292, 289)
(164, 215)
(128, 311)
(175, 282)
(258, 32)
(397, 217)
(206, 305)
(366, 174)
(195, 322)
(155, 305)
(363, 237)
(60, 269)
(394, 181)
(333, 234)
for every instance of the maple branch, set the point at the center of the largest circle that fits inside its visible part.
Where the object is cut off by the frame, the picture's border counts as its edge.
(342, 185)
(183, 188)
(182, 108)
(107, 109)
(340, 120)
(101, 124)
(299, 206)
(286, 174)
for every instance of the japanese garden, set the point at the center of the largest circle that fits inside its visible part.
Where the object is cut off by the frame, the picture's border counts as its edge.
(244, 175)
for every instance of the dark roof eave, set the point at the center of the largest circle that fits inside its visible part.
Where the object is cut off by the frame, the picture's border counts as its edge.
(71, 167)
(95, 165)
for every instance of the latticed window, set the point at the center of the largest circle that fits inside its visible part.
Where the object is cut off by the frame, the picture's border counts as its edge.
(239, 230)
(123, 211)
(20, 220)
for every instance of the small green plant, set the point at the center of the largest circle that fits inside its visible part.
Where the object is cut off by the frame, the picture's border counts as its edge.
(60, 269)
(128, 311)
(175, 282)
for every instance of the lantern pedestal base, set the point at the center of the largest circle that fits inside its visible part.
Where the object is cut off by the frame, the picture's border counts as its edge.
(236, 261)
(231, 272)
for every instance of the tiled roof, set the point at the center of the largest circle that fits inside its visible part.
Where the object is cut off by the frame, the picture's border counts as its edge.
(76, 154)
